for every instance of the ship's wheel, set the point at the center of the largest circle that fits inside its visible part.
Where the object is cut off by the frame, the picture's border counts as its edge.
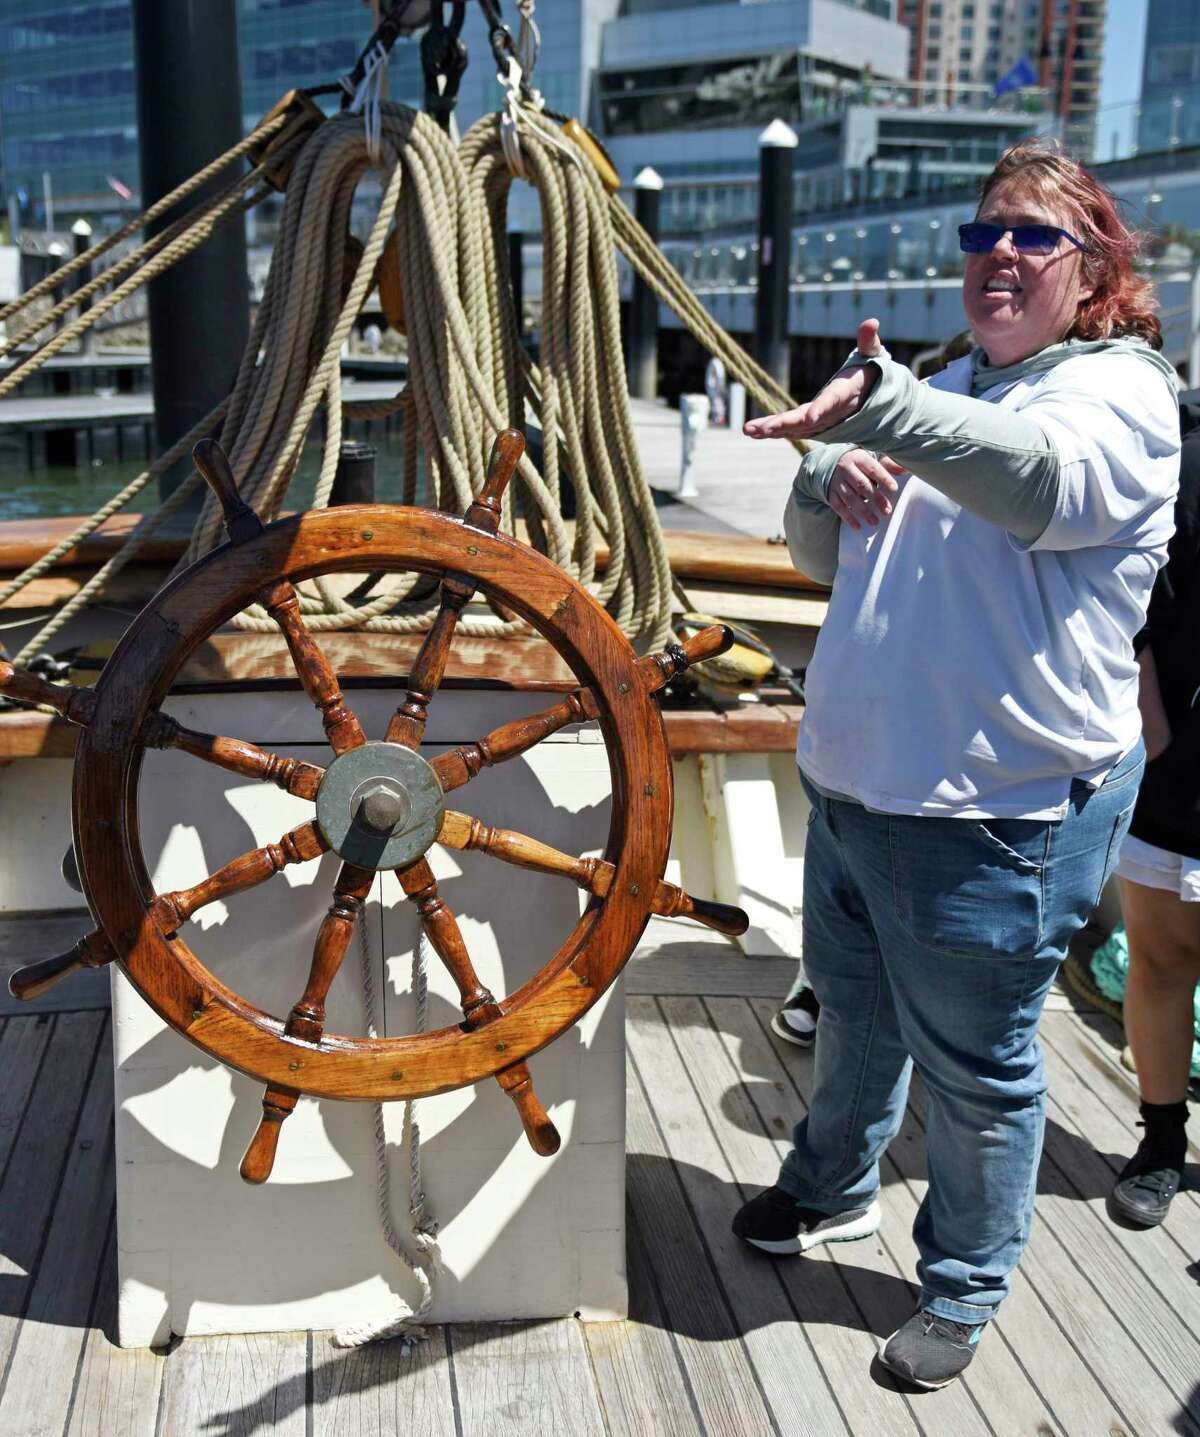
(378, 804)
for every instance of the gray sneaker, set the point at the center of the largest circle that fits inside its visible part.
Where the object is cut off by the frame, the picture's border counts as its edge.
(930, 1351)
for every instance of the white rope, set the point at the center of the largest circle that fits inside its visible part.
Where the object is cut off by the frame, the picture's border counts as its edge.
(407, 1324)
(510, 119)
(368, 98)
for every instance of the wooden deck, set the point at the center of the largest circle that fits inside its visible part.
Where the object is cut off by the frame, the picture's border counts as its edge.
(1101, 1335)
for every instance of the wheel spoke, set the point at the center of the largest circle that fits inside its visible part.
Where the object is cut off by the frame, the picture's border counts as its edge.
(92, 951)
(307, 1018)
(238, 756)
(441, 928)
(478, 1004)
(517, 1082)
(172, 910)
(306, 1021)
(595, 875)
(459, 765)
(68, 701)
(278, 1104)
(313, 668)
(408, 722)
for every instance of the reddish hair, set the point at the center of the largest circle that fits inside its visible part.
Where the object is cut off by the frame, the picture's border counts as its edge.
(1121, 302)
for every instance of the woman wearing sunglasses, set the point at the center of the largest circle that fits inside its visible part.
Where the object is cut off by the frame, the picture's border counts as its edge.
(971, 744)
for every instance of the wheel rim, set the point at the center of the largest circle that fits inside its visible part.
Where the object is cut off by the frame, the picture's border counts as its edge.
(137, 678)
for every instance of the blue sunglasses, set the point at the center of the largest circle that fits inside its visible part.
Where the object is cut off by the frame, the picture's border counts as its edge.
(978, 237)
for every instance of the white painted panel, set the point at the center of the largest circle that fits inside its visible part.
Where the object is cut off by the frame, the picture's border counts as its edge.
(202, 1251)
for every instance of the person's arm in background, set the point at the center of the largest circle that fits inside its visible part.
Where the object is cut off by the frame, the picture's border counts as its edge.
(1156, 729)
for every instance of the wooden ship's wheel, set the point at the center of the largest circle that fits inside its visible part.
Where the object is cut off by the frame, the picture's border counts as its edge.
(378, 805)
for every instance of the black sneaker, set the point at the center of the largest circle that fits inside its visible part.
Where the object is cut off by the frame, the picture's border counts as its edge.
(796, 1021)
(1149, 1180)
(930, 1351)
(776, 1223)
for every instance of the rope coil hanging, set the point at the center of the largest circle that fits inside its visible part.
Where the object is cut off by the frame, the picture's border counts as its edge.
(469, 375)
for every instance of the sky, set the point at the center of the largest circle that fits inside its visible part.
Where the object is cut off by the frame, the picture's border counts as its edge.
(1120, 76)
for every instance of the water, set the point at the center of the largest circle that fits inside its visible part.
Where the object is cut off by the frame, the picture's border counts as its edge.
(47, 493)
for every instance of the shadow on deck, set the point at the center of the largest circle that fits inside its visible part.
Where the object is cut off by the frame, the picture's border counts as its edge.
(1100, 1336)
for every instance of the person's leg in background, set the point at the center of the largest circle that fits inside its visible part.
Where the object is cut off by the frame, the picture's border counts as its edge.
(796, 1020)
(1164, 967)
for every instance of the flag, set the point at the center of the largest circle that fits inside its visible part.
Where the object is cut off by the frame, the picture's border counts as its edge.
(1021, 74)
(121, 188)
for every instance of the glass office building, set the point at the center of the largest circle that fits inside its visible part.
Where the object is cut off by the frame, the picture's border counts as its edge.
(1170, 110)
(68, 125)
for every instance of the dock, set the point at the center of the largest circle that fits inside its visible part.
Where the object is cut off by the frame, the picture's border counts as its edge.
(66, 403)
(1100, 1336)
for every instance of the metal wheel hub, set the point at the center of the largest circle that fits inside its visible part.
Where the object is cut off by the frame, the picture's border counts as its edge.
(380, 805)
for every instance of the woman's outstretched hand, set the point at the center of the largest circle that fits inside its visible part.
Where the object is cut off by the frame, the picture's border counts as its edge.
(840, 398)
(862, 487)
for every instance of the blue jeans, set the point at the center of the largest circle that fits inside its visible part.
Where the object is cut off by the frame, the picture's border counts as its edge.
(932, 942)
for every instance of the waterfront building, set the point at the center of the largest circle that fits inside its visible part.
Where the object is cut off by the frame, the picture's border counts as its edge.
(1169, 116)
(970, 46)
(68, 124)
(688, 90)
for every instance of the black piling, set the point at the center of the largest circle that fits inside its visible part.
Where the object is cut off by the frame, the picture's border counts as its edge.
(772, 349)
(189, 103)
(643, 308)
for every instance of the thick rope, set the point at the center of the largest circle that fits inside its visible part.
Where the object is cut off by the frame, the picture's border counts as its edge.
(469, 375)
(231, 203)
(160, 207)
(668, 284)
(128, 551)
(422, 1228)
(125, 263)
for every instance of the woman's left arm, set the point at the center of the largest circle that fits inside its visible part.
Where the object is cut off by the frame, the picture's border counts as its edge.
(998, 463)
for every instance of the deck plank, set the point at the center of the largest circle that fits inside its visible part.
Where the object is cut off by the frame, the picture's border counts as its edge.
(117, 1388)
(380, 1389)
(719, 1371)
(1063, 1272)
(1091, 1144)
(876, 1272)
(50, 1341)
(783, 1358)
(31, 1180)
(236, 1386)
(817, 1291)
(1149, 1295)
(524, 1376)
(703, 968)
(23, 1044)
(643, 1388)
(1086, 1043)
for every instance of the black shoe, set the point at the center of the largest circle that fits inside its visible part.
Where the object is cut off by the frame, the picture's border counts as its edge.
(775, 1222)
(796, 1021)
(1148, 1181)
(930, 1351)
